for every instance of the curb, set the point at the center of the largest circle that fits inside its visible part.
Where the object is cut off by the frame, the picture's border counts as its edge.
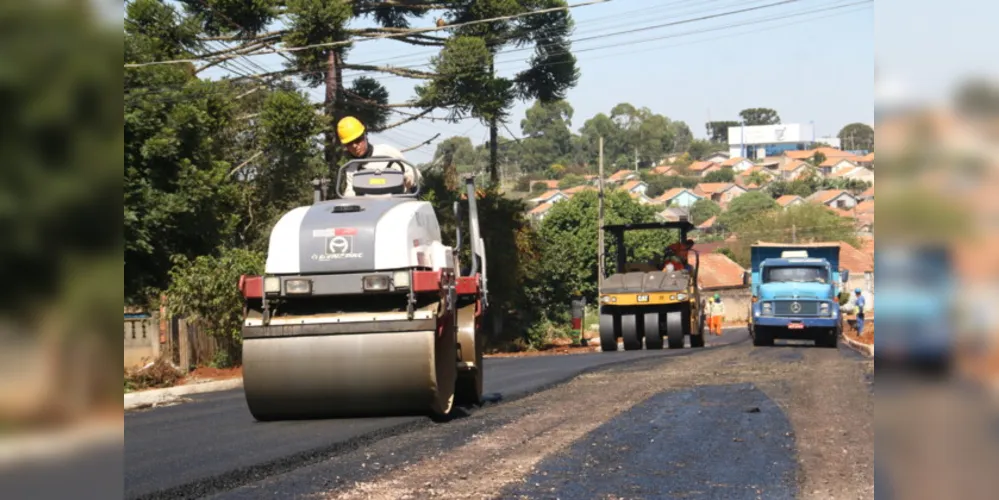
(156, 397)
(865, 349)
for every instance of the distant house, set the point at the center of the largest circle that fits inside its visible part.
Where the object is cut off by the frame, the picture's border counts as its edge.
(718, 272)
(833, 166)
(703, 168)
(866, 160)
(708, 225)
(857, 174)
(790, 200)
(794, 169)
(867, 195)
(717, 157)
(672, 157)
(834, 198)
(550, 196)
(673, 214)
(829, 153)
(622, 176)
(738, 164)
(665, 170)
(720, 192)
(640, 197)
(743, 177)
(635, 186)
(538, 213)
(678, 197)
(578, 189)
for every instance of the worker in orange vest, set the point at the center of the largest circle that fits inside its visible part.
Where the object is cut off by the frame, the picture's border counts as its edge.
(676, 254)
(716, 314)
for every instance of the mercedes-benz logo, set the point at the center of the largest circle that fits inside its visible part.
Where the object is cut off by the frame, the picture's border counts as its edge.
(795, 307)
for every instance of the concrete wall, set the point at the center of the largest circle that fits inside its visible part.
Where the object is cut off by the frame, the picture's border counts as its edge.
(736, 300)
(141, 340)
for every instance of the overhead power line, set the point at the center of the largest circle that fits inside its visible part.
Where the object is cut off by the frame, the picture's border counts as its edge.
(385, 35)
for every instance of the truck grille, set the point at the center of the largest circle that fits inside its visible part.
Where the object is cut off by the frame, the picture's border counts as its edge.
(803, 308)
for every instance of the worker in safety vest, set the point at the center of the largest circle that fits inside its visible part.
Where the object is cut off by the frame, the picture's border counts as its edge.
(716, 314)
(354, 137)
(676, 255)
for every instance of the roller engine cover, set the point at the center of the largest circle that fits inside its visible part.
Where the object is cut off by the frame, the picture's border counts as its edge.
(357, 235)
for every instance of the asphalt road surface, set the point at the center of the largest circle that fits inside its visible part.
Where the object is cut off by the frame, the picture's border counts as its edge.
(729, 421)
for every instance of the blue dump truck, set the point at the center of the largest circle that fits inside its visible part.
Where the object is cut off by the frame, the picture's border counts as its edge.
(917, 297)
(796, 292)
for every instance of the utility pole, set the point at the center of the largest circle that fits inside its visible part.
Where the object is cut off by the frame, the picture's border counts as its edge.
(636, 159)
(600, 219)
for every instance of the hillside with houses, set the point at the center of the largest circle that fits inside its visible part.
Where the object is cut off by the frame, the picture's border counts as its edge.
(839, 180)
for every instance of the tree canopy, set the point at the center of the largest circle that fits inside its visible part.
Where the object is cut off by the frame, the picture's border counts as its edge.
(759, 116)
(857, 136)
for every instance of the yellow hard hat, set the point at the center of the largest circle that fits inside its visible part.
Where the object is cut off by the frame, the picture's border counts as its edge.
(349, 129)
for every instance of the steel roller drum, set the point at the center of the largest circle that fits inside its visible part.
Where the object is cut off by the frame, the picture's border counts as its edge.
(349, 374)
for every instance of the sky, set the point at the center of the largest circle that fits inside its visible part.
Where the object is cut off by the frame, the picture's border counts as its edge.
(809, 64)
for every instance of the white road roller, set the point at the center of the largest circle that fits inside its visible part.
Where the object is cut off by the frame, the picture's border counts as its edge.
(362, 310)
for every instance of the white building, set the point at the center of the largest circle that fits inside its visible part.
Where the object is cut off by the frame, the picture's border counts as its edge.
(760, 141)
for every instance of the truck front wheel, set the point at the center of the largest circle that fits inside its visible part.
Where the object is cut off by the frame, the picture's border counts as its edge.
(762, 337)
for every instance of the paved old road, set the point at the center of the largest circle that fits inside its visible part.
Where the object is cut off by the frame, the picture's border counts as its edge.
(212, 444)
(733, 421)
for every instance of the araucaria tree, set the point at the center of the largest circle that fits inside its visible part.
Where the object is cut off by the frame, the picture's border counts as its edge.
(464, 74)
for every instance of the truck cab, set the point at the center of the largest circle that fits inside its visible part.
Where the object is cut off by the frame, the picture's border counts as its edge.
(796, 292)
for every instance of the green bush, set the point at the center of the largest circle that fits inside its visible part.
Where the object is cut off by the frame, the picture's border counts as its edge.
(206, 291)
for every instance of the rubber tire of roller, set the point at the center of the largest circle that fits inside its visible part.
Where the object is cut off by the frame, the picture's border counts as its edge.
(468, 387)
(608, 339)
(653, 336)
(674, 329)
(697, 336)
(629, 332)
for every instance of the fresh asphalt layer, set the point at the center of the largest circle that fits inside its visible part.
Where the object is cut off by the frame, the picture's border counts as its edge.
(212, 443)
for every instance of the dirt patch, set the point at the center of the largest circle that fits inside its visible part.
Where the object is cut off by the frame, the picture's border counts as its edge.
(552, 351)
(850, 330)
(822, 393)
(205, 374)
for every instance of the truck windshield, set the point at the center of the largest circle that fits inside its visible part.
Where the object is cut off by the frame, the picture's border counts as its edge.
(799, 274)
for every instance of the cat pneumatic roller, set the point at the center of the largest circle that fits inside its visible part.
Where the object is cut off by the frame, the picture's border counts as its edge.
(362, 310)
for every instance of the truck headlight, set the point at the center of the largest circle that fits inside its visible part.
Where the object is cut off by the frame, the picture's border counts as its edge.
(767, 308)
(298, 287)
(272, 284)
(824, 309)
(375, 283)
(400, 279)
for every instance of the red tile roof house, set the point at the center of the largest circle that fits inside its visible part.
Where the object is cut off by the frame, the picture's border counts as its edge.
(703, 168)
(665, 170)
(720, 192)
(578, 189)
(622, 176)
(834, 198)
(719, 274)
(794, 169)
(738, 164)
(550, 196)
(835, 165)
(538, 213)
(790, 200)
(682, 197)
(635, 186)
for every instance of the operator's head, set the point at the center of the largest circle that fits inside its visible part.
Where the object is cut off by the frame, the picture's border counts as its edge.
(353, 136)
(689, 243)
(857, 291)
(717, 297)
